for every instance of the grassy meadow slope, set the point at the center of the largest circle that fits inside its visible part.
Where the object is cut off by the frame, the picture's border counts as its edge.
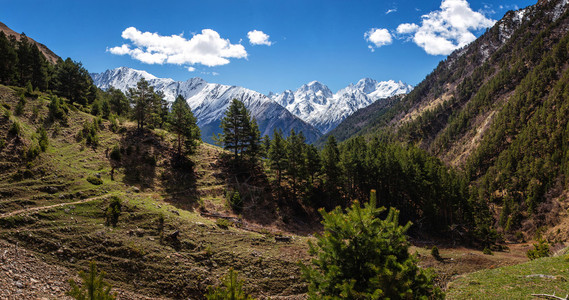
(47, 205)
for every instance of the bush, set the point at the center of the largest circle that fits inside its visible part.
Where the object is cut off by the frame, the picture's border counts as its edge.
(232, 288)
(94, 286)
(94, 180)
(43, 140)
(223, 223)
(487, 251)
(113, 211)
(15, 129)
(57, 109)
(115, 153)
(541, 249)
(435, 253)
(235, 201)
(360, 256)
(33, 152)
(19, 110)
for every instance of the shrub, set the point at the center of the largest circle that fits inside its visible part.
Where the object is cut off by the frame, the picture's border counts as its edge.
(57, 109)
(113, 211)
(15, 129)
(114, 124)
(541, 249)
(435, 253)
(33, 152)
(223, 223)
(94, 286)
(43, 140)
(94, 180)
(487, 251)
(115, 153)
(360, 256)
(19, 110)
(235, 201)
(232, 288)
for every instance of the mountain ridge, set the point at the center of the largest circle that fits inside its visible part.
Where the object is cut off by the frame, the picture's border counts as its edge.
(209, 101)
(315, 103)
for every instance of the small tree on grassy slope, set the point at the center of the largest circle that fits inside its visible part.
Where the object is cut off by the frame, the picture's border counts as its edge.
(182, 122)
(93, 288)
(360, 256)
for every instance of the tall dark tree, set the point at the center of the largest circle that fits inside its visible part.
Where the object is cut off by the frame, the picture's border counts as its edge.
(8, 60)
(182, 122)
(240, 132)
(24, 51)
(73, 82)
(277, 154)
(313, 164)
(141, 99)
(118, 101)
(296, 167)
(331, 169)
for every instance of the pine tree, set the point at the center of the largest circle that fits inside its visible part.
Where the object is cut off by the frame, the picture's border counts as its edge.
(313, 164)
(277, 154)
(182, 122)
(141, 99)
(94, 287)
(8, 60)
(296, 167)
(240, 132)
(360, 256)
(331, 169)
(232, 289)
(118, 101)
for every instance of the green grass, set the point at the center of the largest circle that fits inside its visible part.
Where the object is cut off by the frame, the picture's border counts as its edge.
(513, 282)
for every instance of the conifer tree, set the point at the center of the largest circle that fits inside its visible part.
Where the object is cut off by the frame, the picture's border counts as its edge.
(118, 101)
(141, 99)
(296, 167)
(182, 122)
(331, 169)
(240, 132)
(94, 287)
(277, 154)
(360, 256)
(8, 60)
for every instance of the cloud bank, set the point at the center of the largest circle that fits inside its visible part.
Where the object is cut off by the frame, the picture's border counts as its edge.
(206, 48)
(445, 30)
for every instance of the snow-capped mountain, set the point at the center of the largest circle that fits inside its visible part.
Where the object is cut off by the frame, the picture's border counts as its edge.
(209, 101)
(318, 106)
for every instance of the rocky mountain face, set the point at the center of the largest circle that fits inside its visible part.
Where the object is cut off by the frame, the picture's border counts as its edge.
(317, 105)
(209, 101)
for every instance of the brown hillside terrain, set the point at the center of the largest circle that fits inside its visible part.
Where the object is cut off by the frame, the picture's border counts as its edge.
(50, 56)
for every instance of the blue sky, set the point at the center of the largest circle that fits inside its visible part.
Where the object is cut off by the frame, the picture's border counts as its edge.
(290, 42)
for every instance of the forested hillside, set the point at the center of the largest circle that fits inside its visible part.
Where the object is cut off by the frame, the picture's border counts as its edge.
(496, 110)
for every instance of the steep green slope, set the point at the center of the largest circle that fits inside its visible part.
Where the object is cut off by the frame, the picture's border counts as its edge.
(497, 110)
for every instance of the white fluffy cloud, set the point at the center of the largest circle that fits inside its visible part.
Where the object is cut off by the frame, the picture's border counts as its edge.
(447, 29)
(441, 31)
(406, 28)
(257, 37)
(378, 37)
(206, 48)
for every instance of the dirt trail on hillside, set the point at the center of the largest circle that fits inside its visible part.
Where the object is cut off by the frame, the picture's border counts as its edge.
(40, 208)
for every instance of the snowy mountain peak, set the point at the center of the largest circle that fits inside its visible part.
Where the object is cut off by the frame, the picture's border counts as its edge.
(209, 101)
(316, 104)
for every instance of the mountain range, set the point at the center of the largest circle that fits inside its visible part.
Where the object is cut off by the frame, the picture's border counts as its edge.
(312, 109)
(314, 102)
